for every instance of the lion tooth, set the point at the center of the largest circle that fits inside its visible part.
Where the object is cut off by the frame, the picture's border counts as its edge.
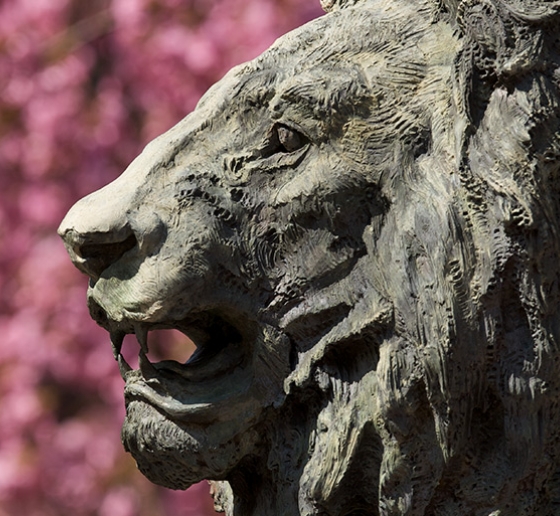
(117, 338)
(146, 367)
(142, 337)
(124, 368)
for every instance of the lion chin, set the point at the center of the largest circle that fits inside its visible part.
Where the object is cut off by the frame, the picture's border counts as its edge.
(359, 232)
(154, 440)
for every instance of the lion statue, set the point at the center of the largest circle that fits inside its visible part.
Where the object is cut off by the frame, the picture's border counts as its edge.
(360, 232)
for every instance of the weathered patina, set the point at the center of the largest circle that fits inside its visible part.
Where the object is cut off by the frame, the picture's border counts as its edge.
(360, 231)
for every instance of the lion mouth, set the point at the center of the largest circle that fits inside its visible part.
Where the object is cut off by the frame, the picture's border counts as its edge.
(182, 389)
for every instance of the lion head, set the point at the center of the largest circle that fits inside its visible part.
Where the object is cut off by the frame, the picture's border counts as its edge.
(359, 231)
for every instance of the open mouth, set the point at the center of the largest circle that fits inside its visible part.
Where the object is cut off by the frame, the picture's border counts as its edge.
(209, 376)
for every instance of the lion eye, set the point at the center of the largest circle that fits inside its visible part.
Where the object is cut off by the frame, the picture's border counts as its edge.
(288, 139)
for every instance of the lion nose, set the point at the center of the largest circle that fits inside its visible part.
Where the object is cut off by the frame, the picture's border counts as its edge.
(92, 253)
(96, 233)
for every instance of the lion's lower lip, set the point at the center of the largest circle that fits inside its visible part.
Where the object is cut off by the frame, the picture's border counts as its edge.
(170, 405)
(196, 401)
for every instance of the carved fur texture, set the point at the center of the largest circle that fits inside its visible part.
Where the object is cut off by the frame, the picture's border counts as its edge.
(359, 230)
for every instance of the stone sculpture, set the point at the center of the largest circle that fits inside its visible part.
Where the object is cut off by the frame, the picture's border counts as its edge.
(360, 231)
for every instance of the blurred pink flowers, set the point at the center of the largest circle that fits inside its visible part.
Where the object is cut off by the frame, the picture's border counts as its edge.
(84, 85)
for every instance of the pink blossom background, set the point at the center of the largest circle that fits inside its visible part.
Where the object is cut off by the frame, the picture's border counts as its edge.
(84, 85)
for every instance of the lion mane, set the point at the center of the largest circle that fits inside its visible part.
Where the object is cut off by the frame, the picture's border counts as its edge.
(390, 252)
